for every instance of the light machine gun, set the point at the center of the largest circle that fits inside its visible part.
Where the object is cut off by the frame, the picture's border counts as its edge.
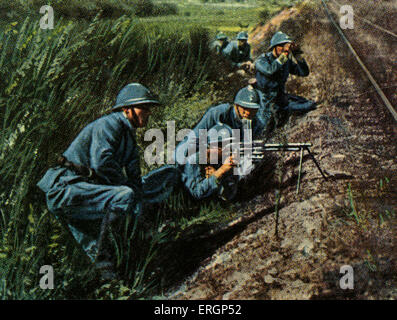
(255, 151)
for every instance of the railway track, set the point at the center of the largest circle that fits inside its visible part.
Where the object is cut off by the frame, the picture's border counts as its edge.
(368, 21)
(241, 222)
(369, 75)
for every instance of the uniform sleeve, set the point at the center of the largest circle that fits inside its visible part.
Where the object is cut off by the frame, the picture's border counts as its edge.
(190, 144)
(260, 125)
(229, 52)
(105, 141)
(215, 47)
(198, 186)
(209, 119)
(266, 67)
(300, 68)
(133, 170)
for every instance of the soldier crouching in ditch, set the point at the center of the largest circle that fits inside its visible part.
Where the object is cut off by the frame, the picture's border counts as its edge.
(238, 52)
(220, 43)
(97, 182)
(212, 176)
(245, 111)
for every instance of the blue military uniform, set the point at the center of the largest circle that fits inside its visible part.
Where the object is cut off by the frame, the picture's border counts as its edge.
(220, 43)
(223, 113)
(218, 47)
(107, 146)
(98, 181)
(194, 176)
(272, 74)
(158, 184)
(237, 55)
(195, 181)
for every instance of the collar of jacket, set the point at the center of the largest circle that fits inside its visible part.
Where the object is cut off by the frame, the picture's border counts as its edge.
(122, 117)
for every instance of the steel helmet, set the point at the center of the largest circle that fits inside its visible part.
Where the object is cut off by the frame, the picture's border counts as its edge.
(248, 97)
(134, 94)
(243, 35)
(279, 38)
(221, 36)
(219, 133)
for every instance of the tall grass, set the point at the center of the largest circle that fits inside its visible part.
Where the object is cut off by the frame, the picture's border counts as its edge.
(53, 83)
(56, 81)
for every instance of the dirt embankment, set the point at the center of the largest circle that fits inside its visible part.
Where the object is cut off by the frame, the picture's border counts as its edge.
(328, 224)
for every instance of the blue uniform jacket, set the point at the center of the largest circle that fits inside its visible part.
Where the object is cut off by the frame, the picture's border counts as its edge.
(218, 47)
(226, 114)
(237, 55)
(195, 181)
(223, 113)
(106, 145)
(271, 75)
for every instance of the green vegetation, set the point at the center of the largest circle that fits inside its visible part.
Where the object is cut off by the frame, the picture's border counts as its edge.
(364, 228)
(56, 81)
(89, 9)
(53, 83)
(364, 216)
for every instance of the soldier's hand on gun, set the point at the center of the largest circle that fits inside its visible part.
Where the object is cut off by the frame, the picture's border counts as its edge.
(291, 157)
(229, 163)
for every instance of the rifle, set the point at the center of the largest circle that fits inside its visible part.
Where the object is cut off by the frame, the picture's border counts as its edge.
(256, 149)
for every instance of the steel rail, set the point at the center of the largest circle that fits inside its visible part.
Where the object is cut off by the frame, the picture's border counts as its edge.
(369, 22)
(361, 63)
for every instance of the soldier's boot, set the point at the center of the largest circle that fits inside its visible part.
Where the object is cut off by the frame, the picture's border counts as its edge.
(106, 271)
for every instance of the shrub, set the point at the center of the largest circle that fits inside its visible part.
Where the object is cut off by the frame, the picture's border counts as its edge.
(143, 8)
(164, 9)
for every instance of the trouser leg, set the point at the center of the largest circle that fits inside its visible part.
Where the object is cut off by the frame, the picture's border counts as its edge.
(266, 112)
(299, 104)
(90, 211)
(110, 224)
(280, 109)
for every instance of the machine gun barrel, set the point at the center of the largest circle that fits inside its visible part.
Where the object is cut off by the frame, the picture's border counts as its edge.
(256, 149)
(258, 146)
(286, 147)
(282, 145)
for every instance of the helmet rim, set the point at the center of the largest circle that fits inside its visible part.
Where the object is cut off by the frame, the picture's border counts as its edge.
(242, 36)
(128, 97)
(221, 36)
(248, 98)
(121, 105)
(279, 38)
